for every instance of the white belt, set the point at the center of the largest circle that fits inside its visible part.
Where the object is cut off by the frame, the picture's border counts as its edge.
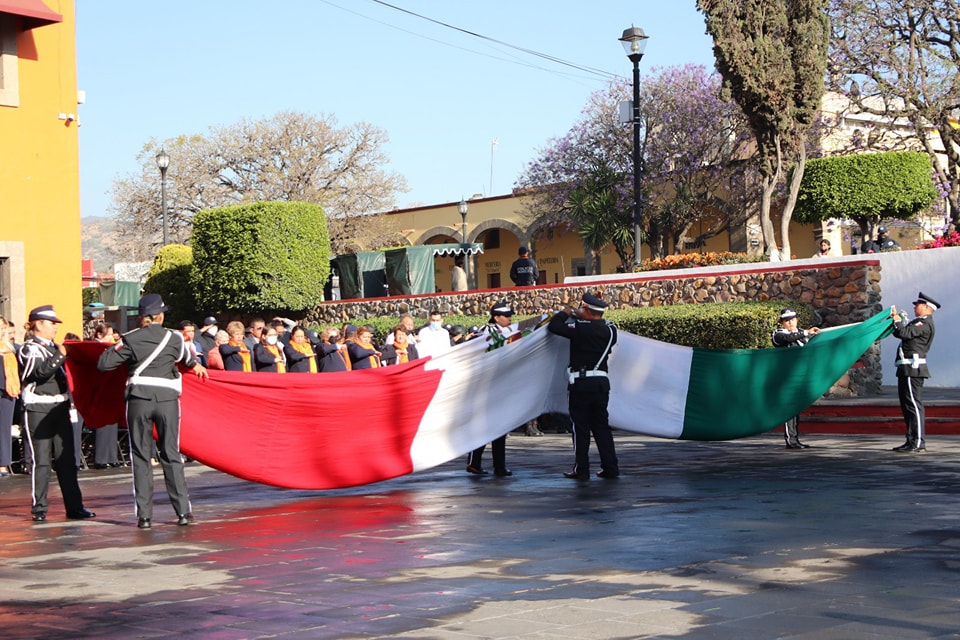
(29, 397)
(915, 362)
(587, 373)
(148, 381)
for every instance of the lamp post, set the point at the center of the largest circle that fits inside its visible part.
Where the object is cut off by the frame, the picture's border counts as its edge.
(634, 42)
(163, 161)
(462, 208)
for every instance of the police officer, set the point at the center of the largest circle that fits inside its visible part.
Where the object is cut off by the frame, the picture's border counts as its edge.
(916, 336)
(151, 354)
(46, 403)
(788, 335)
(524, 271)
(497, 332)
(591, 340)
(885, 242)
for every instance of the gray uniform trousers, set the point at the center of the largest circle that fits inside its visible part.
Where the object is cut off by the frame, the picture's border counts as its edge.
(142, 414)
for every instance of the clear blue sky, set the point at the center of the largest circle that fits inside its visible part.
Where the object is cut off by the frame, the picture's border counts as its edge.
(161, 69)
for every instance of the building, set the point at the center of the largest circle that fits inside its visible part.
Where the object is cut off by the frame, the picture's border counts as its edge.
(39, 162)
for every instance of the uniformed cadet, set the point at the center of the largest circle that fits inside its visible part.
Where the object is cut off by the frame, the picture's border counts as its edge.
(46, 403)
(591, 340)
(497, 332)
(916, 336)
(788, 335)
(151, 354)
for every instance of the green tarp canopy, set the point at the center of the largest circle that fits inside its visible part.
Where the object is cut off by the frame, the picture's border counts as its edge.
(403, 271)
(119, 293)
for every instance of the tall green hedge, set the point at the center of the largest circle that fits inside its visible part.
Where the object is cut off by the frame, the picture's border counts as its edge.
(866, 186)
(169, 276)
(260, 256)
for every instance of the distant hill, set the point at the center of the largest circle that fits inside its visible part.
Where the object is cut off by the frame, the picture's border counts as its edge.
(98, 242)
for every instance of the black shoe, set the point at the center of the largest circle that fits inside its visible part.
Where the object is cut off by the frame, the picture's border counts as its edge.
(143, 523)
(39, 517)
(184, 520)
(609, 475)
(803, 445)
(573, 475)
(906, 446)
(477, 471)
(791, 445)
(83, 514)
(502, 471)
(919, 449)
(99, 466)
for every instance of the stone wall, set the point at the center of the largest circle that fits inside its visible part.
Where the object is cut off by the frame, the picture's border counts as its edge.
(841, 293)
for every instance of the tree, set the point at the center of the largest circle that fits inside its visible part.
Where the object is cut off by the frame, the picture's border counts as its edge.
(169, 276)
(261, 256)
(288, 157)
(689, 141)
(772, 55)
(866, 187)
(901, 61)
(593, 207)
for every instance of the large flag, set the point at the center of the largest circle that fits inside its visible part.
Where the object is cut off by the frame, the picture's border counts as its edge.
(331, 430)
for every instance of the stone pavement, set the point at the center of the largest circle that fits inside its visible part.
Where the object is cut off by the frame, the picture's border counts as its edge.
(719, 540)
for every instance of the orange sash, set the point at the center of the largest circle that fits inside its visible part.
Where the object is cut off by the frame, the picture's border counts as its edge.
(244, 355)
(11, 373)
(401, 352)
(274, 350)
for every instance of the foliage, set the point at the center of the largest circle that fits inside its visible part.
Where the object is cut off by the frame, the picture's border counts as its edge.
(288, 157)
(262, 256)
(592, 207)
(90, 294)
(689, 260)
(169, 276)
(690, 140)
(949, 239)
(772, 55)
(866, 187)
(714, 325)
(900, 61)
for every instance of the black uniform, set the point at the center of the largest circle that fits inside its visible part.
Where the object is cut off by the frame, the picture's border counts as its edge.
(153, 398)
(916, 336)
(785, 338)
(524, 272)
(46, 403)
(498, 337)
(886, 243)
(589, 387)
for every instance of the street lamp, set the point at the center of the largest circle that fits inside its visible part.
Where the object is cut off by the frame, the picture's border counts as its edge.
(163, 161)
(462, 208)
(634, 42)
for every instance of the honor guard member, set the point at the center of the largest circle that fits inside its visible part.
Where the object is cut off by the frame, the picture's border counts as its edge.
(497, 331)
(151, 354)
(46, 403)
(524, 271)
(591, 339)
(787, 335)
(916, 336)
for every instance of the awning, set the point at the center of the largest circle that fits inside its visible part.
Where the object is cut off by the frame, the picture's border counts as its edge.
(450, 249)
(34, 12)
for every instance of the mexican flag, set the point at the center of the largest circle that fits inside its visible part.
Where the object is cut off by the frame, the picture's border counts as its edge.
(332, 430)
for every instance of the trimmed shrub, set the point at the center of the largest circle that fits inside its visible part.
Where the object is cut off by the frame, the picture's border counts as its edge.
(169, 276)
(250, 258)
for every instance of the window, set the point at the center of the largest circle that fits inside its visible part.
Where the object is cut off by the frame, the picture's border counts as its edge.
(9, 78)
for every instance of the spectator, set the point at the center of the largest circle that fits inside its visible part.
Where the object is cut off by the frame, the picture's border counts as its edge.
(824, 251)
(458, 277)
(9, 391)
(331, 353)
(361, 351)
(189, 331)
(433, 339)
(207, 334)
(256, 328)
(406, 321)
(268, 355)
(399, 350)
(524, 271)
(299, 353)
(214, 359)
(235, 355)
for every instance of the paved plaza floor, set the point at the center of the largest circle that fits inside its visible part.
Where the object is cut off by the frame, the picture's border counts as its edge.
(738, 540)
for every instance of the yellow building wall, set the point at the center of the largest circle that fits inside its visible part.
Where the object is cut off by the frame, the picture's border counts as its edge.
(39, 172)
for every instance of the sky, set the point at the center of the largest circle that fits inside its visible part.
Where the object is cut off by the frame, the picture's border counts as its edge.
(157, 70)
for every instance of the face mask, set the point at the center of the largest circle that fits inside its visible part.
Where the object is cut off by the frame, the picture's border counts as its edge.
(435, 325)
(271, 339)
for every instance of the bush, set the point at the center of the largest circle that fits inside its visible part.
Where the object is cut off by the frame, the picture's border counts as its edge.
(169, 276)
(251, 258)
(688, 260)
(951, 239)
(90, 295)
